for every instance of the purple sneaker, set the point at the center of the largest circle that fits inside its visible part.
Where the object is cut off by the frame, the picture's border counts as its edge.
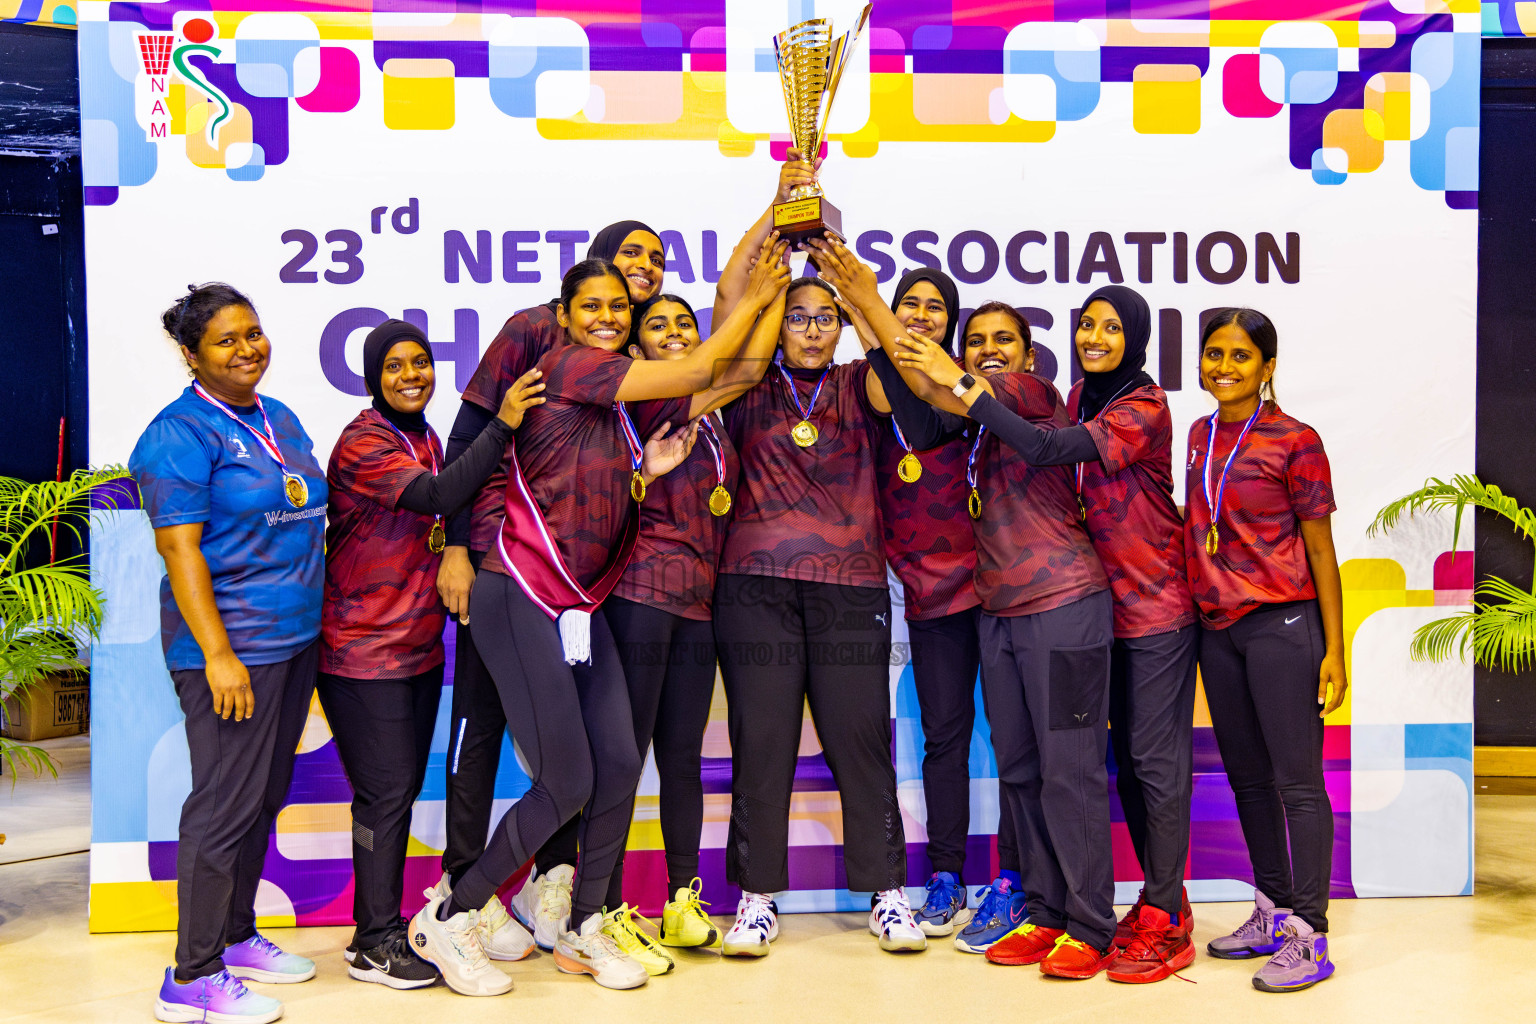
(218, 999)
(256, 959)
(1259, 935)
(1301, 963)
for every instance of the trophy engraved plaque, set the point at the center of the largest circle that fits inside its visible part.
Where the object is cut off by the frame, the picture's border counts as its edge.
(811, 64)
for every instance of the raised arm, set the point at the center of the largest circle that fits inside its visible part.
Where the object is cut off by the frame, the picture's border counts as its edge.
(743, 372)
(699, 370)
(733, 279)
(855, 281)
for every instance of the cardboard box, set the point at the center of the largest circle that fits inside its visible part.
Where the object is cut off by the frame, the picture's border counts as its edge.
(57, 705)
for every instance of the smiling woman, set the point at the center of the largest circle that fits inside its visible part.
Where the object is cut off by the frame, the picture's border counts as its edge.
(241, 612)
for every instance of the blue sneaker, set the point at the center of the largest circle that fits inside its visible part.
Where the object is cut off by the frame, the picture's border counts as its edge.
(256, 959)
(218, 999)
(945, 906)
(999, 911)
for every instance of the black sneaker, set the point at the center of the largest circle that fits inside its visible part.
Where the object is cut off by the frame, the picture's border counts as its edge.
(393, 963)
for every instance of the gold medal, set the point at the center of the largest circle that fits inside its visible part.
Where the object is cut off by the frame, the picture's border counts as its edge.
(804, 433)
(1082, 510)
(296, 490)
(437, 540)
(975, 503)
(720, 500)
(637, 486)
(909, 468)
(1212, 539)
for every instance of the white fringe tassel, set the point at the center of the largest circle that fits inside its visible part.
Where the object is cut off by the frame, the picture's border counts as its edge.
(576, 636)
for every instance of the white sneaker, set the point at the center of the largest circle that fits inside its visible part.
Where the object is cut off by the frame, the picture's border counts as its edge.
(543, 904)
(592, 952)
(453, 946)
(757, 924)
(892, 921)
(501, 937)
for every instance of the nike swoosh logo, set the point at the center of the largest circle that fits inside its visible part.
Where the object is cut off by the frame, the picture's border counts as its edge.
(371, 962)
(1289, 621)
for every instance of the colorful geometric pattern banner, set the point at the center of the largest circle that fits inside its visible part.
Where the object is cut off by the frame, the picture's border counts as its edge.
(444, 162)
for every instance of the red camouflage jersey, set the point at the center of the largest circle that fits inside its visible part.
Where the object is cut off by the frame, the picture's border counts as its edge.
(1279, 478)
(806, 513)
(673, 565)
(517, 348)
(575, 458)
(381, 618)
(1032, 552)
(928, 537)
(1135, 525)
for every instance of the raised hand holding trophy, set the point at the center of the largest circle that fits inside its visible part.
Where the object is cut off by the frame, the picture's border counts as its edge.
(811, 65)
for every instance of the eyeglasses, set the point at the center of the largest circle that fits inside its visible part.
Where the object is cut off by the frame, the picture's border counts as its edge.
(798, 322)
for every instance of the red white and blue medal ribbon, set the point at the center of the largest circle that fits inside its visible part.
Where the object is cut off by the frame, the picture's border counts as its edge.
(294, 487)
(804, 433)
(636, 452)
(719, 498)
(910, 468)
(970, 473)
(1212, 536)
(437, 538)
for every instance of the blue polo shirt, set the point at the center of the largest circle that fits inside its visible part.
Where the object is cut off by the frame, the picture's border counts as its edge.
(193, 464)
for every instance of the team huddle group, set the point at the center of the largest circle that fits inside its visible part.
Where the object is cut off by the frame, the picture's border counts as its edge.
(622, 505)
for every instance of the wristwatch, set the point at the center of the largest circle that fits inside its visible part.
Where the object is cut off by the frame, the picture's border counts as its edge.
(964, 384)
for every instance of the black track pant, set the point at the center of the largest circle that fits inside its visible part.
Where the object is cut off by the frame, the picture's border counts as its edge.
(240, 776)
(946, 655)
(1261, 684)
(669, 665)
(782, 643)
(1045, 679)
(573, 725)
(1151, 725)
(383, 730)
(475, 729)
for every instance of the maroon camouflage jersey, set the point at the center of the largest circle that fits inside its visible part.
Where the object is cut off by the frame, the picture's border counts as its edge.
(1135, 526)
(673, 565)
(1032, 552)
(516, 349)
(928, 536)
(381, 618)
(575, 459)
(806, 513)
(1279, 478)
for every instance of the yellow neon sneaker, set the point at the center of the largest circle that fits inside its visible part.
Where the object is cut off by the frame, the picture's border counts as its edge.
(622, 927)
(684, 922)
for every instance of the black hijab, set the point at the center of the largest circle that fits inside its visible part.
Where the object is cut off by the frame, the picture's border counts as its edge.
(947, 291)
(606, 244)
(375, 348)
(1099, 389)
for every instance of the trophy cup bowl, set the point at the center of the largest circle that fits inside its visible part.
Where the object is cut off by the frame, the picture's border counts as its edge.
(811, 64)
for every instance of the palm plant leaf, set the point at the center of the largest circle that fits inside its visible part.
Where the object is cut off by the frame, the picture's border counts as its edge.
(1434, 641)
(1463, 490)
(1504, 633)
(46, 611)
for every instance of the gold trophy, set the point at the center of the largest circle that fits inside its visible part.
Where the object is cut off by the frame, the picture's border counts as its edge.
(811, 65)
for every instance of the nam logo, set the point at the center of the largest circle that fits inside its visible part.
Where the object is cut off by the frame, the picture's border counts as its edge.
(155, 59)
(158, 53)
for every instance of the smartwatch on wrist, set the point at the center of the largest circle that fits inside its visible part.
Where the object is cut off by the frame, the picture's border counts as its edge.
(964, 384)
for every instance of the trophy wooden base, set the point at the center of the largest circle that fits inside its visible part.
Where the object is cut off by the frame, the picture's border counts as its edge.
(802, 219)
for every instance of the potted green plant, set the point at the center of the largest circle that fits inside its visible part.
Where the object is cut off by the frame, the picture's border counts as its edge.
(1500, 628)
(48, 608)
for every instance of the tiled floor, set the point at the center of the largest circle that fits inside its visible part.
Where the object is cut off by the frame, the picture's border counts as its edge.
(1460, 959)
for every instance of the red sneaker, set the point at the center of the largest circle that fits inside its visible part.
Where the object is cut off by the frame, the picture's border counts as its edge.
(1026, 944)
(1125, 929)
(1075, 959)
(1161, 948)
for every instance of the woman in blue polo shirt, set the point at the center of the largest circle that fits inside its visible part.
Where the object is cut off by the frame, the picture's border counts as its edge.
(237, 502)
